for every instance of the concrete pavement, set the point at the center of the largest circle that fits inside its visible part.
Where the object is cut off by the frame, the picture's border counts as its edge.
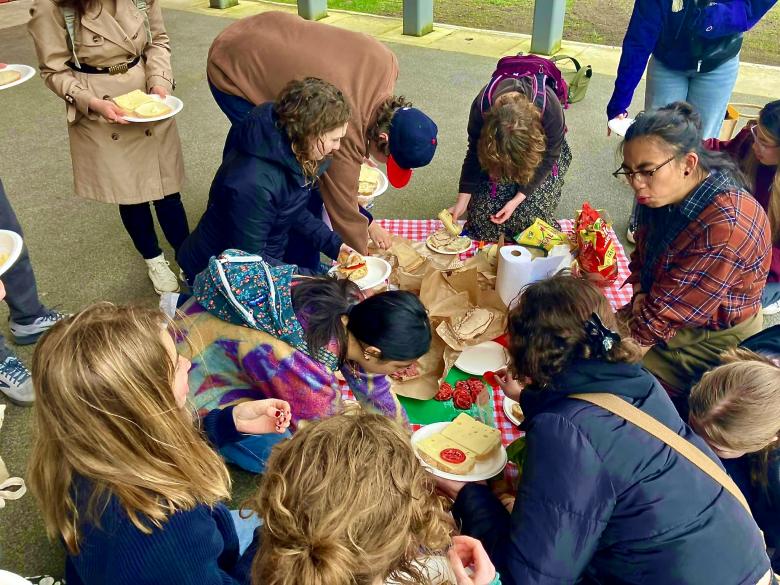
(81, 253)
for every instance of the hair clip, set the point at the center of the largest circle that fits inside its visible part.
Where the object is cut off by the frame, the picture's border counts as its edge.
(601, 339)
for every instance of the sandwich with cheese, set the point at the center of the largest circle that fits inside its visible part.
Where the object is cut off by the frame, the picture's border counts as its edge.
(142, 105)
(460, 446)
(352, 266)
(9, 76)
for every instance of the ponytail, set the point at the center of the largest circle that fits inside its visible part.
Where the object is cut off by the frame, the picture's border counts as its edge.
(678, 125)
(320, 303)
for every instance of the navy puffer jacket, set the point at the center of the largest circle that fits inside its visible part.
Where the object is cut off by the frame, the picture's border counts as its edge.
(603, 501)
(258, 200)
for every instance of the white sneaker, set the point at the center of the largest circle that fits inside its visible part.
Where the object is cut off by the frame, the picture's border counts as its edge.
(16, 381)
(772, 308)
(27, 334)
(163, 279)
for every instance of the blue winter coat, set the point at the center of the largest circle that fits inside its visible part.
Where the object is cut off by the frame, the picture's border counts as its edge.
(258, 200)
(193, 547)
(601, 499)
(702, 36)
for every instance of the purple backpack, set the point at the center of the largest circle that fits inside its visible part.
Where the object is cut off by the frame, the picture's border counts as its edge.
(542, 72)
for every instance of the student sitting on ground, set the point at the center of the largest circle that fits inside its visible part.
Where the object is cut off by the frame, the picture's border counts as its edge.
(601, 500)
(736, 409)
(121, 474)
(331, 332)
(757, 151)
(703, 249)
(346, 501)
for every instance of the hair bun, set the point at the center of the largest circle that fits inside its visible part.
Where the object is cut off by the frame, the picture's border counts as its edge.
(686, 111)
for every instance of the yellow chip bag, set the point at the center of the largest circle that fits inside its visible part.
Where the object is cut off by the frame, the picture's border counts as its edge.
(541, 235)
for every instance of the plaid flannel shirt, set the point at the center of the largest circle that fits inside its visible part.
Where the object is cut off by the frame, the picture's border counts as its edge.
(712, 273)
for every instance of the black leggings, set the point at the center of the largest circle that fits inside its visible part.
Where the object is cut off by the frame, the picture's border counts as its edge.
(138, 222)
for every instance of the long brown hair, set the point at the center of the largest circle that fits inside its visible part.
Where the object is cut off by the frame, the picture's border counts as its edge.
(547, 328)
(769, 121)
(307, 109)
(107, 425)
(346, 502)
(512, 143)
(737, 406)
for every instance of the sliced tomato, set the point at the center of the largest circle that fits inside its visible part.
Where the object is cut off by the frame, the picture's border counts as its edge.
(453, 455)
(490, 378)
(355, 266)
(444, 393)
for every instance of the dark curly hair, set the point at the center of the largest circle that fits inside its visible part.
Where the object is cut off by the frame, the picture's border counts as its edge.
(307, 109)
(512, 143)
(547, 328)
(384, 117)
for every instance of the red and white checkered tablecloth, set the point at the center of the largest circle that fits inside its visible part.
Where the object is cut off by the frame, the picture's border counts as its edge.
(419, 229)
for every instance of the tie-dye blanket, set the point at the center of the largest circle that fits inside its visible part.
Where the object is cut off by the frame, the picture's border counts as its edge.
(232, 363)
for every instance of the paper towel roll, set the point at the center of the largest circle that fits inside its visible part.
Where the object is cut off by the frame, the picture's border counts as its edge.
(514, 272)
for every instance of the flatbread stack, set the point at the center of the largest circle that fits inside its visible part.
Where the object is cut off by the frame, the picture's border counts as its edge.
(9, 76)
(368, 181)
(459, 447)
(443, 241)
(142, 105)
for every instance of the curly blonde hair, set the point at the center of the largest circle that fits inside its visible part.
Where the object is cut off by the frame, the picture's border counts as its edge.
(307, 109)
(346, 502)
(512, 143)
(547, 328)
(107, 425)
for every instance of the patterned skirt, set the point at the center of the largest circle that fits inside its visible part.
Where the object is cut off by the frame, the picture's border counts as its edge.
(489, 198)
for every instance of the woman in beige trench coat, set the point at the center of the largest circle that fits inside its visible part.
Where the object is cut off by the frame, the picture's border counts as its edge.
(114, 161)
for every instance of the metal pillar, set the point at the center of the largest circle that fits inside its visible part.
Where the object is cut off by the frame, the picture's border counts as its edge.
(313, 9)
(219, 3)
(418, 17)
(547, 31)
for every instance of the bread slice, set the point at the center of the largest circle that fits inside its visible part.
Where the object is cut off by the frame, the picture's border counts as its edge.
(131, 101)
(152, 109)
(9, 76)
(368, 181)
(352, 266)
(431, 449)
(474, 436)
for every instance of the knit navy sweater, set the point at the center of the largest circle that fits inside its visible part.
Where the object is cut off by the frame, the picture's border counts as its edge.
(194, 547)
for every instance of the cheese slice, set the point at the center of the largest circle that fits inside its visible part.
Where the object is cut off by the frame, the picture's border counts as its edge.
(131, 101)
(473, 435)
(430, 450)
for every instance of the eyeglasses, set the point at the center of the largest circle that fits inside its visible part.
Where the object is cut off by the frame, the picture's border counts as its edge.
(646, 175)
(758, 141)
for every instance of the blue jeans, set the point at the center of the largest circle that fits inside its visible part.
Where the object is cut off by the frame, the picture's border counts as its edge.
(252, 452)
(245, 529)
(771, 294)
(708, 92)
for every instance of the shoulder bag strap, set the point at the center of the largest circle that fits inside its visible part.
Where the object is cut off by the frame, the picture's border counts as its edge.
(70, 26)
(632, 414)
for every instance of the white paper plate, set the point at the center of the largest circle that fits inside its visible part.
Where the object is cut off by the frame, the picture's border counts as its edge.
(620, 125)
(449, 252)
(378, 272)
(485, 357)
(172, 102)
(26, 71)
(11, 245)
(482, 469)
(508, 404)
(381, 187)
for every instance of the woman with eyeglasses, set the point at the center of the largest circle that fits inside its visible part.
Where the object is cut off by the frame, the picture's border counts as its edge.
(756, 149)
(702, 249)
